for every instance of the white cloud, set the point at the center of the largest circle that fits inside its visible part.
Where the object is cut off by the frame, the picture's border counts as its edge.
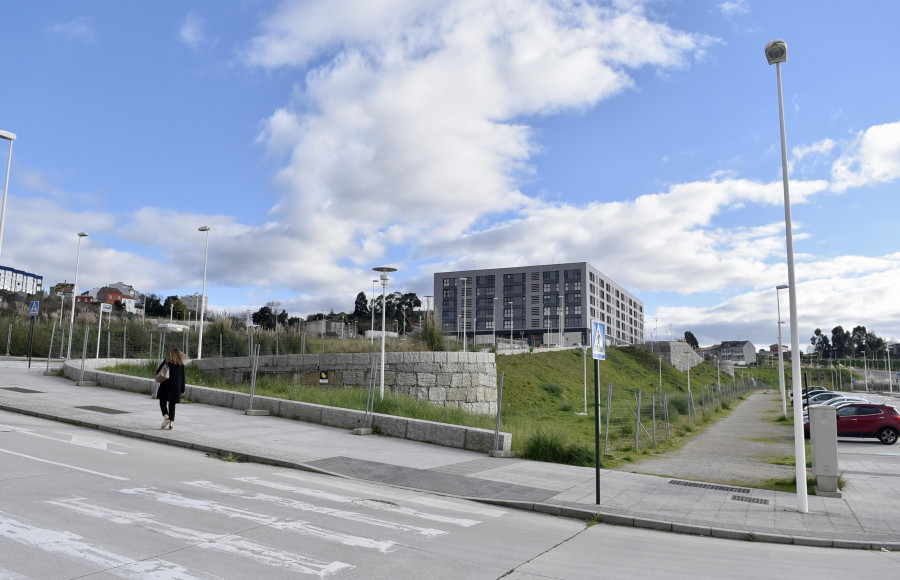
(411, 130)
(732, 8)
(192, 32)
(81, 30)
(873, 156)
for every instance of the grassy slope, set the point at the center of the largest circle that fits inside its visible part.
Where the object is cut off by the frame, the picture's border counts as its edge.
(542, 392)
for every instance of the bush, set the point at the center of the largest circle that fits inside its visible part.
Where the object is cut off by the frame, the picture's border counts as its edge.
(548, 445)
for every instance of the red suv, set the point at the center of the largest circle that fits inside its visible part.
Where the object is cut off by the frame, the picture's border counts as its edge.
(866, 420)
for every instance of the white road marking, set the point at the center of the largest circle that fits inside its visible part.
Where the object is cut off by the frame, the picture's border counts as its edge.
(74, 439)
(406, 495)
(10, 575)
(372, 504)
(83, 470)
(230, 543)
(297, 526)
(70, 545)
(308, 507)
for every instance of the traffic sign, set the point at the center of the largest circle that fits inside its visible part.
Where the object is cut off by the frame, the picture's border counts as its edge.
(106, 307)
(33, 309)
(598, 340)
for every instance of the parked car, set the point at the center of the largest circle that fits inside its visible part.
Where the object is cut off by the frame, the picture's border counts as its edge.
(821, 397)
(866, 420)
(805, 393)
(840, 401)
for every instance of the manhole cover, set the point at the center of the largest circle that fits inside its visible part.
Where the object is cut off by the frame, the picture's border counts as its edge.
(102, 410)
(20, 390)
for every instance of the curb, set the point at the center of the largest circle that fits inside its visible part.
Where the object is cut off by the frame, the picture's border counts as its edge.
(587, 515)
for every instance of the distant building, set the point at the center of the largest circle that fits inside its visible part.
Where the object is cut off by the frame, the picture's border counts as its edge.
(193, 302)
(533, 303)
(62, 289)
(108, 295)
(20, 281)
(740, 352)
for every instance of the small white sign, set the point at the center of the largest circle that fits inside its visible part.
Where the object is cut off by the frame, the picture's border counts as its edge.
(598, 340)
(106, 307)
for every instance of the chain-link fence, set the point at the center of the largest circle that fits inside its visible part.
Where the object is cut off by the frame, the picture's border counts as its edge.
(641, 419)
(142, 341)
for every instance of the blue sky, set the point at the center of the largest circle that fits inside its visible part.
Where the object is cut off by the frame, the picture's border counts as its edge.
(321, 138)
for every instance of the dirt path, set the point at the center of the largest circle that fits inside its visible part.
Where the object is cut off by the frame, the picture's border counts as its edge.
(738, 449)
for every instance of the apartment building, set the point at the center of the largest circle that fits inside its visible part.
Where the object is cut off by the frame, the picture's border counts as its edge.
(14, 280)
(544, 304)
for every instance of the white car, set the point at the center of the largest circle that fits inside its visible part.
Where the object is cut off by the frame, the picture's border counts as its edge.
(840, 401)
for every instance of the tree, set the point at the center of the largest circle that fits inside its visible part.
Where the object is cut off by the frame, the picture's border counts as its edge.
(361, 310)
(691, 339)
(820, 343)
(175, 307)
(264, 317)
(841, 343)
(858, 336)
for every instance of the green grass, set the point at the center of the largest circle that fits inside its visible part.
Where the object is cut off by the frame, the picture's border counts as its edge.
(543, 394)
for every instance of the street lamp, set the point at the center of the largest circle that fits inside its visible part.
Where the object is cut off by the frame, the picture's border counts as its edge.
(74, 295)
(203, 293)
(385, 270)
(494, 322)
(9, 137)
(780, 354)
(372, 340)
(776, 53)
(559, 313)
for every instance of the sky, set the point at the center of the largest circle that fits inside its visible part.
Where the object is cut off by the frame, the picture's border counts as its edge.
(320, 139)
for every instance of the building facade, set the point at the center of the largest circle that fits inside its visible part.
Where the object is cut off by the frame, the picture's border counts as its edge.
(19, 281)
(533, 303)
(193, 302)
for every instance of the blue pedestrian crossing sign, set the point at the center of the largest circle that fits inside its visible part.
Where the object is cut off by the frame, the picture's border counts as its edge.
(33, 309)
(598, 340)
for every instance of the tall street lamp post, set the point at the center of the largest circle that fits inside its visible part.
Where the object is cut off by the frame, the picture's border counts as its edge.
(9, 137)
(74, 295)
(203, 293)
(780, 354)
(372, 340)
(385, 270)
(494, 321)
(776, 53)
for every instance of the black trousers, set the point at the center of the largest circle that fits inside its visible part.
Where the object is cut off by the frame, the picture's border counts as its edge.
(167, 408)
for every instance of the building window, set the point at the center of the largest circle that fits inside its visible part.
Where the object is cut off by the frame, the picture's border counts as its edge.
(449, 292)
(507, 324)
(448, 282)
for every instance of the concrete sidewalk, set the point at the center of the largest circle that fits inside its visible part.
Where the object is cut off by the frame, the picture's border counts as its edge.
(867, 517)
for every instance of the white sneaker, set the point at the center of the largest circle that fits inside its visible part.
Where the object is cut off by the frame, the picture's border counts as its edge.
(165, 424)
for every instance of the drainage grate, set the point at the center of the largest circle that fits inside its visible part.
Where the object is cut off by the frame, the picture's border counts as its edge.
(709, 486)
(102, 410)
(750, 499)
(20, 390)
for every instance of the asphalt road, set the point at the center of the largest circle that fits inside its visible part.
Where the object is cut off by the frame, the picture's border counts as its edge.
(78, 503)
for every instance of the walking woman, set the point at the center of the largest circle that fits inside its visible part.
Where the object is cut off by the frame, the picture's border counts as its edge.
(172, 389)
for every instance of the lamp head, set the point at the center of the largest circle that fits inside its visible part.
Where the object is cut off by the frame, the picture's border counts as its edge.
(781, 287)
(203, 229)
(776, 51)
(7, 135)
(82, 234)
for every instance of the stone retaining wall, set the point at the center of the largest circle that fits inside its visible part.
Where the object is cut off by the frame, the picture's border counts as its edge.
(470, 438)
(449, 379)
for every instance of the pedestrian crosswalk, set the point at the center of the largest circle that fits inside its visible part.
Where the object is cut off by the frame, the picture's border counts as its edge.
(269, 510)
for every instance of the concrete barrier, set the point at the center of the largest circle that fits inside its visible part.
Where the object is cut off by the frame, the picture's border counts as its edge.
(461, 437)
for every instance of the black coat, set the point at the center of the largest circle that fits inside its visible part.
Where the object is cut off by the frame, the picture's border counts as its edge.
(173, 387)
